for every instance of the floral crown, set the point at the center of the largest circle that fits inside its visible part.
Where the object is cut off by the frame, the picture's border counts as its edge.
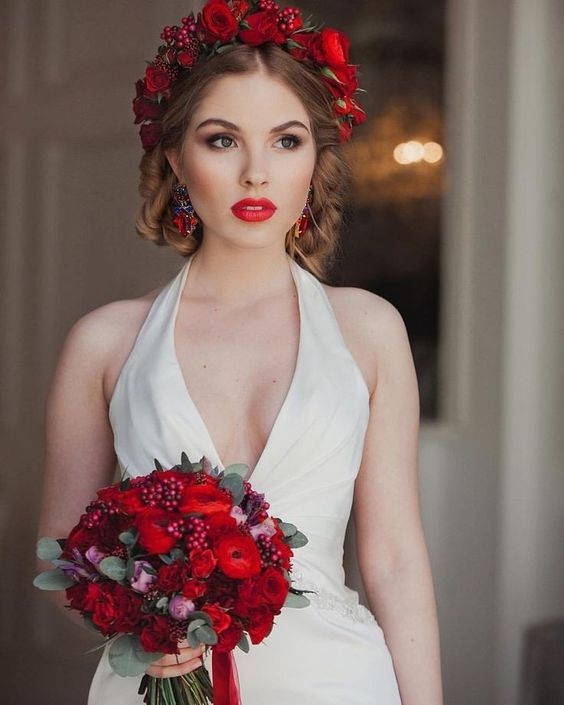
(225, 23)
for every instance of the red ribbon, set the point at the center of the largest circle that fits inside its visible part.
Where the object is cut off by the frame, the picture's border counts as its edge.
(225, 679)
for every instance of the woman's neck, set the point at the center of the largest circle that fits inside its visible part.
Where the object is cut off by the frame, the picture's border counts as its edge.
(238, 276)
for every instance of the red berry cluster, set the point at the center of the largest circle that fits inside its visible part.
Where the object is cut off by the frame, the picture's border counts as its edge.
(269, 553)
(197, 536)
(289, 19)
(97, 511)
(162, 492)
(180, 37)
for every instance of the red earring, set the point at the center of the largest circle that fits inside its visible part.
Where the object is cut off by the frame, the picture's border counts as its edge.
(185, 218)
(303, 221)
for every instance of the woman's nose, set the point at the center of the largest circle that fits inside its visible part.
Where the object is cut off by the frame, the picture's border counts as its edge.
(255, 169)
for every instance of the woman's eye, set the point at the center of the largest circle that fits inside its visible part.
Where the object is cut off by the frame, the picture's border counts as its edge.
(221, 141)
(289, 141)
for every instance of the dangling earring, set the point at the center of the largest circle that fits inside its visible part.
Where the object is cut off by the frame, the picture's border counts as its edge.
(303, 221)
(185, 219)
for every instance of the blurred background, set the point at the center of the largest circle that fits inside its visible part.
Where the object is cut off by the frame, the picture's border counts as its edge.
(456, 216)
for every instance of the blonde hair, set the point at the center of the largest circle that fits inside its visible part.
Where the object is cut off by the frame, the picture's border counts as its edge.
(317, 247)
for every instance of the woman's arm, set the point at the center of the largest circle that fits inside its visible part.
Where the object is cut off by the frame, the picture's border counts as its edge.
(79, 454)
(391, 546)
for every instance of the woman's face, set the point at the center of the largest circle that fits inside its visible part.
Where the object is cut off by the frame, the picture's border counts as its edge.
(247, 160)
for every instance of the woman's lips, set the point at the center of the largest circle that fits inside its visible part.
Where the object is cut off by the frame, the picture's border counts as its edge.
(253, 209)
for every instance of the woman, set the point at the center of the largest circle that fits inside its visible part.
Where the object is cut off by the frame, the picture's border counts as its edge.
(245, 356)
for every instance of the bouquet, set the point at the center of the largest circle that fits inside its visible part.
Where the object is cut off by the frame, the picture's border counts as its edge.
(187, 553)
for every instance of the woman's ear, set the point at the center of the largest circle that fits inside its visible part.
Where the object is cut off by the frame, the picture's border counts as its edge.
(173, 159)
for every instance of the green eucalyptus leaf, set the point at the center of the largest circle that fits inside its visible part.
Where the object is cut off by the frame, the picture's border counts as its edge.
(165, 558)
(48, 549)
(162, 604)
(196, 624)
(177, 554)
(239, 469)
(244, 643)
(114, 568)
(234, 484)
(53, 579)
(127, 657)
(185, 464)
(204, 616)
(192, 639)
(206, 635)
(128, 538)
(298, 540)
(296, 600)
(288, 529)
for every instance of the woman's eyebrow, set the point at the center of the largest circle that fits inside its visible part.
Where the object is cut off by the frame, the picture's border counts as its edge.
(231, 126)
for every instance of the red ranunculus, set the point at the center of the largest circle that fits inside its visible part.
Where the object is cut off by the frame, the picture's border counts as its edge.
(151, 133)
(263, 27)
(156, 79)
(130, 500)
(202, 562)
(238, 556)
(221, 620)
(205, 499)
(153, 535)
(274, 587)
(217, 22)
(157, 636)
(220, 524)
(335, 46)
(260, 626)
(171, 578)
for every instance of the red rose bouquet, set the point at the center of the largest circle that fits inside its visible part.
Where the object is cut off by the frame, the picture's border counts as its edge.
(188, 553)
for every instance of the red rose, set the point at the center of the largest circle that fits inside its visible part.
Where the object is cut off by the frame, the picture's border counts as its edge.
(156, 79)
(260, 625)
(335, 46)
(249, 596)
(310, 43)
(274, 587)
(345, 76)
(345, 129)
(217, 22)
(146, 110)
(105, 611)
(221, 620)
(205, 499)
(156, 636)
(358, 114)
(202, 562)
(83, 596)
(171, 578)
(262, 28)
(153, 534)
(240, 9)
(151, 133)
(193, 589)
(128, 610)
(238, 556)
(229, 638)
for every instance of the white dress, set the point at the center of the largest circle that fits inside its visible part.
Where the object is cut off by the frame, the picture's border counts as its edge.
(333, 651)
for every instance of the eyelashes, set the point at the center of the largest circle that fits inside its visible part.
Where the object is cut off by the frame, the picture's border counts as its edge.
(221, 141)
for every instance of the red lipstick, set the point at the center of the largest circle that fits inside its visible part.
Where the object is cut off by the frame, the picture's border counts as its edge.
(253, 210)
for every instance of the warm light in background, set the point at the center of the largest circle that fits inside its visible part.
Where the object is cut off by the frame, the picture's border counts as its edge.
(415, 151)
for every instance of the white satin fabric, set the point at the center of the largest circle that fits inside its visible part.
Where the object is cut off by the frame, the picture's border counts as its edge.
(333, 651)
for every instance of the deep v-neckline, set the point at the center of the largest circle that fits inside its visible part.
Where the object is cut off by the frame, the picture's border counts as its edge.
(289, 393)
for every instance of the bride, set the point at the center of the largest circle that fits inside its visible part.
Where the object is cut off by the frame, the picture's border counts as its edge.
(248, 356)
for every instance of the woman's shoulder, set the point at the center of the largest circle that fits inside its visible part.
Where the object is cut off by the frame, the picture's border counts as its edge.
(372, 327)
(105, 336)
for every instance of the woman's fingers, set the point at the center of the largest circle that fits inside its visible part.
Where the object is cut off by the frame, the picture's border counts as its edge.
(173, 665)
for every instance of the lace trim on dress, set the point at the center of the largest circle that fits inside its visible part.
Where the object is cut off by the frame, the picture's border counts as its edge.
(325, 600)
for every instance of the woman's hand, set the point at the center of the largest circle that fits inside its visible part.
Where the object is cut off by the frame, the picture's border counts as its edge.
(173, 665)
